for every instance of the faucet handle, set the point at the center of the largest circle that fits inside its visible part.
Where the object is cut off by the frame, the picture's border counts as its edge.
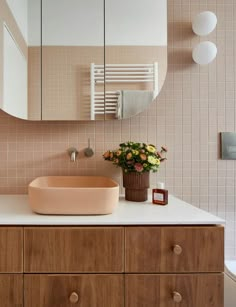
(73, 152)
(88, 152)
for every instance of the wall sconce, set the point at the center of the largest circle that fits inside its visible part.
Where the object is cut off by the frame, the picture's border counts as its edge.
(204, 53)
(203, 24)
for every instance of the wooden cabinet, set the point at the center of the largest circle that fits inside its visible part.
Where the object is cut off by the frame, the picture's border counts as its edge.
(87, 290)
(142, 249)
(185, 290)
(174, 249)
(11, 290)
(201, 249)
(73, 250)
(11, 249)
(131, 266)
(11, 262)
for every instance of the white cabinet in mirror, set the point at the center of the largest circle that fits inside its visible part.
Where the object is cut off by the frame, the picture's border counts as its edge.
(97, 59)
(14, 77)
(20, 58)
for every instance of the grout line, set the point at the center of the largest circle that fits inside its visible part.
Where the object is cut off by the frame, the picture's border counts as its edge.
(208, 154)
(234, 63)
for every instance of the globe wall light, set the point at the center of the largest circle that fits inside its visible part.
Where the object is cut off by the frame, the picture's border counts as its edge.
(204, 53)
(204, 23)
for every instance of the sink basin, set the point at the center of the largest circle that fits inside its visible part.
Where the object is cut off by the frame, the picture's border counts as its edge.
(73, 195)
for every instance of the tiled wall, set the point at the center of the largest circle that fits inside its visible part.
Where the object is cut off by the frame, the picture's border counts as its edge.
(66, 76)
(194, 106)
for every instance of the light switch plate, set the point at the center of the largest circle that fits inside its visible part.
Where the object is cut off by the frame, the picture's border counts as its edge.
(228, 145)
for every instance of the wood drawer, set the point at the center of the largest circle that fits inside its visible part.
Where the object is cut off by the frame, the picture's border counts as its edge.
(11, 249)
(73, 250)
(193, 290)
(151, 249)
(11, 290)
(90, 290)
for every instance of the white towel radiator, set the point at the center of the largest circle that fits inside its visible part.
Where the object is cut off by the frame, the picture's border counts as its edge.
(118, 73)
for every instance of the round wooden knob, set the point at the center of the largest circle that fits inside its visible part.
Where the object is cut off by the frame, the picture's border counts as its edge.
(177, 249)
(177, 297)
(74, 297)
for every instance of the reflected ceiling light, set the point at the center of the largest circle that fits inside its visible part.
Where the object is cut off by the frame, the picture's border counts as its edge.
(204, 23)
(204, 53)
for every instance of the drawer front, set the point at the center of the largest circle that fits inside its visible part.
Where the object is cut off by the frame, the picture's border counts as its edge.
(74, 290)
(11, 249)
(185, 290)
(11, 290)
(174, 249)
(73, 250)
(142, 249)
(192, 249)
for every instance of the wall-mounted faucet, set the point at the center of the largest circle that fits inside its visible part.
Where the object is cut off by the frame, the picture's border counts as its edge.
(73, 152)
(88, 152)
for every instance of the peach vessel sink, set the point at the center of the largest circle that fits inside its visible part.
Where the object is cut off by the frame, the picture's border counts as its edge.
(73, 195)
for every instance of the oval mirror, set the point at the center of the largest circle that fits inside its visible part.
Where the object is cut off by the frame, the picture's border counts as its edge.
(93, 59)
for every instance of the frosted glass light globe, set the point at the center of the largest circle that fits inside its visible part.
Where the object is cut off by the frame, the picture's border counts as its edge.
(204, 23)
(204, 53)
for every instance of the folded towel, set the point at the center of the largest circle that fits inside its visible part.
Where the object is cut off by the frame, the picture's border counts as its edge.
(130, 103)
(119, 105)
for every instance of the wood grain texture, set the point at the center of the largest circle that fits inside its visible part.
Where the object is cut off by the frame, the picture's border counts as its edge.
(150, 249)
(11, 290)
(55, 290)
(142, 249)
(11, 249)
(197, 290)
(202, 249)
(142, 290)
(74, 250)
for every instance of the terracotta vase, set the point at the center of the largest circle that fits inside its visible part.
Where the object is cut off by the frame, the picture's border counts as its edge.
(136, 186)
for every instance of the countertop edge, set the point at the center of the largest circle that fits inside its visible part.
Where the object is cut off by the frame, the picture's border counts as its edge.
(15, 211)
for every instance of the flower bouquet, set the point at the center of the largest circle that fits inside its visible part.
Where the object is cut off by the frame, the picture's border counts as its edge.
(136, 161)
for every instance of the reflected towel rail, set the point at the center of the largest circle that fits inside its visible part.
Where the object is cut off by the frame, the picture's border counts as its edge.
(118, 73)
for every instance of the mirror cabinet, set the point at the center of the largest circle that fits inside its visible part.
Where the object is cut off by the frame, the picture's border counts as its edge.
(81, 59)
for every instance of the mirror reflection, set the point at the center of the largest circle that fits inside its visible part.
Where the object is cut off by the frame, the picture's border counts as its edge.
(136, 54)
(72, 39)
(97, 59)
(20, 89)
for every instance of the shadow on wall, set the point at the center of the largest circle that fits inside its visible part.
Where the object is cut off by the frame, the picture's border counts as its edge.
(179, 57)
(178, 33)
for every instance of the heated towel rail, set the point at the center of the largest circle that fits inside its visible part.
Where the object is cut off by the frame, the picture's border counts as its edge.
(118, 73)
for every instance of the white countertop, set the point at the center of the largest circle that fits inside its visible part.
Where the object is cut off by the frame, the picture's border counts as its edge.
(15, 210)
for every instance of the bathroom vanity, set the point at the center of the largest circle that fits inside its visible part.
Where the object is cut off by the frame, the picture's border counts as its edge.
(141, 255)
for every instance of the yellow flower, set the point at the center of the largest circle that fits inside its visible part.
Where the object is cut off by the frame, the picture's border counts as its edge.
(153, 160)
(151, 148)
(135, 152)
(118, 153)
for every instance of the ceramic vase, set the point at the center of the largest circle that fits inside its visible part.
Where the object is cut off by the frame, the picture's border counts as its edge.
(136, 186)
